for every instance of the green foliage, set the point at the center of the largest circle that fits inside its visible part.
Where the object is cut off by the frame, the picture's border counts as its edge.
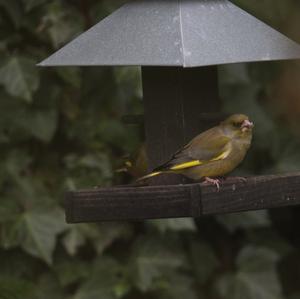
(61, 129)
(20, 77)
(245, 220)
(256, 276)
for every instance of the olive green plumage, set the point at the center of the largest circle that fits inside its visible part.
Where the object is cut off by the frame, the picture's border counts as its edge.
(137, 164)
(212, 153)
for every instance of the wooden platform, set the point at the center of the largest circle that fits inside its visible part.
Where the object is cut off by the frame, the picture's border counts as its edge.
(183, 200)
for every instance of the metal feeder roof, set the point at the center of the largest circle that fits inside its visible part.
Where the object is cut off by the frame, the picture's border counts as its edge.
(186, 33)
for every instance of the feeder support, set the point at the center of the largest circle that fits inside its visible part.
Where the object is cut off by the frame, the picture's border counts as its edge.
(174, 97)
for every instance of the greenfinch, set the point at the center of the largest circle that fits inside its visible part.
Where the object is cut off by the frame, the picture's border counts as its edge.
(212, 153)
(137, 165)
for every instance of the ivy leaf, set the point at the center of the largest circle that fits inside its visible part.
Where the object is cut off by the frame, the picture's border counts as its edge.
(108, 233)
(13, 9)
(40, 124)
(16, 288)
(204, 261)
(73, 240)
(89, 170)
(36, 231)
(16, 162)
(63, 24)
(245, 220)
(19, 75)
(77, 236)
(256, 277)
(41, 232)
(153, 258)
(30, 4)
(270, 238)
(70, 271)
(70, 75)
(101, 236)
(257, 258)
(8, 210)
(179, 286)
(103, 282)
(20, 121)
(48, 288)
(180, 224)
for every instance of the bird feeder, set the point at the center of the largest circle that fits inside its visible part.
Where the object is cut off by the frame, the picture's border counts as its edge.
(178, 44)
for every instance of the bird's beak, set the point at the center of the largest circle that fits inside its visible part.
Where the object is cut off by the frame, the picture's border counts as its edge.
(247, 125)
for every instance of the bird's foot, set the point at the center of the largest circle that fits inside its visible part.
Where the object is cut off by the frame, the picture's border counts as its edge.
(215, 182)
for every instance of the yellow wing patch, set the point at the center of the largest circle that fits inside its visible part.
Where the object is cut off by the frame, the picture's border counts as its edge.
(153, 174)
(148, 176)
(222, 155)
(193, 163)
(186, 165)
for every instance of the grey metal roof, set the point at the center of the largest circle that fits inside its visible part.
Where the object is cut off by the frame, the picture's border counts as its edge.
(186, 33)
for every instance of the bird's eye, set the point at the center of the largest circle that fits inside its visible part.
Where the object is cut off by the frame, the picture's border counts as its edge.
(237, 125)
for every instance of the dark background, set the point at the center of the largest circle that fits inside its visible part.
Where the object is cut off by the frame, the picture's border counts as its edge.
(61, 129)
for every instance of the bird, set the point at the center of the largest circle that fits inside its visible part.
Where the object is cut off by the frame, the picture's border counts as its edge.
(137, 164)
(213, 153)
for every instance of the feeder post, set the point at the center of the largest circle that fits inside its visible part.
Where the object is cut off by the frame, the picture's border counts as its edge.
(174, 99)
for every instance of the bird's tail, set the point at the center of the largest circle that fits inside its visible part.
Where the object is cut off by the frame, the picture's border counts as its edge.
(148, 176)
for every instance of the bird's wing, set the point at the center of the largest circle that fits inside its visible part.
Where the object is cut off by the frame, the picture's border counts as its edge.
(211, 145)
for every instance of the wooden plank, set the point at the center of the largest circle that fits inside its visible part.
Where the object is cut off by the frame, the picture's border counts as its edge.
(261, 192)
(174, 98)
(130, 203)
(190, 200)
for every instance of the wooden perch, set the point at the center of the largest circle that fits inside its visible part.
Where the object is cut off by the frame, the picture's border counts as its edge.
(189, 200)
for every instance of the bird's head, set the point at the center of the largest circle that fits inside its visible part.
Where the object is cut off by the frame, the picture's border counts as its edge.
(238, 125)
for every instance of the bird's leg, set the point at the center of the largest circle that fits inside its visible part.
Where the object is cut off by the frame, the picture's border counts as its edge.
(215, 182)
